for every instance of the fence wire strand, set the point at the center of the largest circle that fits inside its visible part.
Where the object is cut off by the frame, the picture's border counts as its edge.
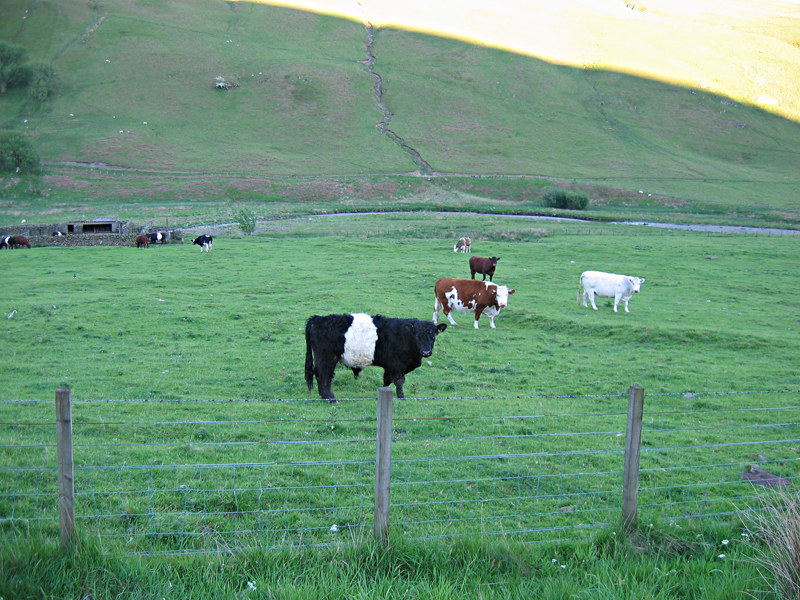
(163, 486)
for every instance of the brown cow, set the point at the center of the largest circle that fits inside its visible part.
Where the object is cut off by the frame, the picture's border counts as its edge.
(485, 266)
(468, 295)
(142, 241)
(15, 241)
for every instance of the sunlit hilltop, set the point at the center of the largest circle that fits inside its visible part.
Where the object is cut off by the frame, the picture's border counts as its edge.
(748, 50)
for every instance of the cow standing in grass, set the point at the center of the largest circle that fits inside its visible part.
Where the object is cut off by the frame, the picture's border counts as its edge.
(15, 241)
(464, 244)
(484, 266)
(204, 241)
(469, 296)
(608, 285)
(359, 341)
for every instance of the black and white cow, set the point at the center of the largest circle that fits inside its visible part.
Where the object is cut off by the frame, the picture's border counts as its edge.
(204, 241)
(359, 341)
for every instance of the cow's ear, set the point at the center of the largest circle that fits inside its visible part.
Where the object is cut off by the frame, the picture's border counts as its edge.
(409, 326)
(511, 292)
(642, 280)
(441, 327)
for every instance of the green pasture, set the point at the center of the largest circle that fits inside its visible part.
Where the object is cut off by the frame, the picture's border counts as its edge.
(169, 328)
(717, 312)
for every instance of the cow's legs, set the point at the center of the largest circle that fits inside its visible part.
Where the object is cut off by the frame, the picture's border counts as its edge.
(448, 312)
(398, 380)
(617, 298)
(589, 293)
(324, 370)
(478, 313)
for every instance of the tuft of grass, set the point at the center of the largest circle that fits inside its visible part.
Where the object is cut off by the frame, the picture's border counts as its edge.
(774, 529)
(611, 568)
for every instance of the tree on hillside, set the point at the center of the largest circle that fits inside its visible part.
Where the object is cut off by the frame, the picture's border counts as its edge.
(17, 154)
(41, 77)
(12, 59)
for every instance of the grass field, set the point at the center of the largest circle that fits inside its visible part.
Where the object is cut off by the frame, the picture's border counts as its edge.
(170, 323)
(509, 436)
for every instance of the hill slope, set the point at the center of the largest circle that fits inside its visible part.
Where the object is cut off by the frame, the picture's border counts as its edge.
(138, 92)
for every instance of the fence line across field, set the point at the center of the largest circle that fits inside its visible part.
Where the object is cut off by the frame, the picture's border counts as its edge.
(525, 491)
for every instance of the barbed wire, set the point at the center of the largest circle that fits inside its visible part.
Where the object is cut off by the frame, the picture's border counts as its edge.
(687, 394)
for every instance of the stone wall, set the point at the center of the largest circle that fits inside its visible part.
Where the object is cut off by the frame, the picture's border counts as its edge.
(84, 239)
(91, 239)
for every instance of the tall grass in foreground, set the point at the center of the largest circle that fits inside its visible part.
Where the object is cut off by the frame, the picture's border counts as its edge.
(776, 527)
(648, 565)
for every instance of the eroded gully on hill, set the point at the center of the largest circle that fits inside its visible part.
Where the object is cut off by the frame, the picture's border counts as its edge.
(386, 116)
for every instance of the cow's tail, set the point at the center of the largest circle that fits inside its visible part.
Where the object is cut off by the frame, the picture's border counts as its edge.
(580, 287)
(309, 358)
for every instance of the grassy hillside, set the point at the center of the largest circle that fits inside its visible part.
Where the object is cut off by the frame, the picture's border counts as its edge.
(137, 92)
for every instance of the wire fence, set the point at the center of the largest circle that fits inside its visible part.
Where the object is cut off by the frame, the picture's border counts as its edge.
(183, 476)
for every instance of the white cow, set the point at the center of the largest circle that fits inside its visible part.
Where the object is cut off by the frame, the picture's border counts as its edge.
(608, 285)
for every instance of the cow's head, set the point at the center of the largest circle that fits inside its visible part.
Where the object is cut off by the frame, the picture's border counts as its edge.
(425, 333)
(502, 295)
(636, 282)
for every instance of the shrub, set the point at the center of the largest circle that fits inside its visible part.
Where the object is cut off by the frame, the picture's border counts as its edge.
(18, 154)
(247, 221)
(41, 79)
(12, 57)
(561, 198)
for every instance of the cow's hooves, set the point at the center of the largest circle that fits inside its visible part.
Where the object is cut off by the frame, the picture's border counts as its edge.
(333, 401)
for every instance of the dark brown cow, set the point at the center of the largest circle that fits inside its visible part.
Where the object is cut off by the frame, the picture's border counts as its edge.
(15, 241)
(142, 241)
(468, 295)
(485, 266)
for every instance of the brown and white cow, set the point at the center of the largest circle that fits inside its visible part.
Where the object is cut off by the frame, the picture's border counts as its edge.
(467, 296)
(464, 244)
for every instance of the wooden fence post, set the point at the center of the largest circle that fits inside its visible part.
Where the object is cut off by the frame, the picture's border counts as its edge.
(66, 488)
(383, 465)
(633, 447)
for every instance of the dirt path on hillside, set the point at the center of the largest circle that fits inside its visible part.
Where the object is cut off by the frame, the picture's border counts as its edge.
(369, 63)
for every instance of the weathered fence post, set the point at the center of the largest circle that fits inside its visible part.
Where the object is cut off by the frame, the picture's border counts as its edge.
(633, 446)
(66, 488)
(383, 465)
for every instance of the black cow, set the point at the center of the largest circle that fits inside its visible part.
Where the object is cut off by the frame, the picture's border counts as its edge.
(204, 241)
(156, 237)
(359, 340)
(485, 266)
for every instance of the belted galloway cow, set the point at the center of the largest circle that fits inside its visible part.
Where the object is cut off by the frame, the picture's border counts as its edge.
(359, 341)
(608, 285)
